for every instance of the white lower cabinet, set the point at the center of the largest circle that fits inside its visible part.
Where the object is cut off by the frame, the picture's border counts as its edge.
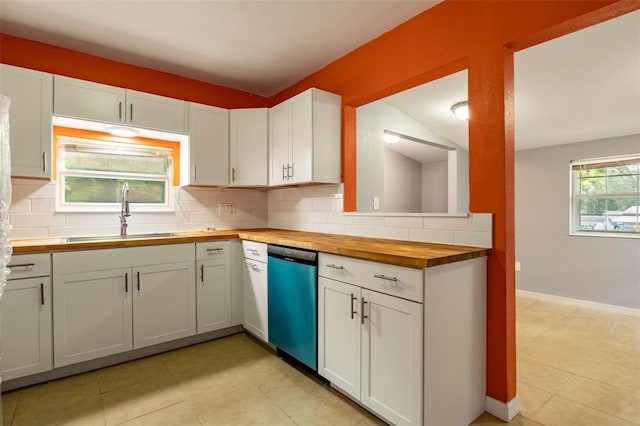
(114, 300)
(370, 343)
(25, 317)
(254, 289)
(213, 285)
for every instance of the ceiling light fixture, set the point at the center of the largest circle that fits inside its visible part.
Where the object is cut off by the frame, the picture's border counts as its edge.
(461, 110)
(126, 132)
(390, 137)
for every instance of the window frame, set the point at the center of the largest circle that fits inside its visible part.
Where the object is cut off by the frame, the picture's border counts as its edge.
(68, 135)
(576, 197)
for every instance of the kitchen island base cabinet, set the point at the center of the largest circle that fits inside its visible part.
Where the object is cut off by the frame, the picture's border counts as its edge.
(114, 300)
(370, 343)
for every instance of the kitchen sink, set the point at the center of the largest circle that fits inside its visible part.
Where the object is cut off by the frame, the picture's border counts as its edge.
(120, 237)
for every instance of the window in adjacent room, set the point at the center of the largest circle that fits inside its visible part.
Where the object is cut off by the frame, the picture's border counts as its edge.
(605, 196)
(91, 172)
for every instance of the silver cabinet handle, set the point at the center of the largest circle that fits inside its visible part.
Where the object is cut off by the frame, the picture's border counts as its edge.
(120, 111)
(138, 280)
(252, 265)
(44, 162)
(331, 265)
(126, 282)
(131, 113)
(362, 315)
(253, 251)
(384, 277)
(42, 294)
(217, 249)
(202, 273)
(195, 173)
(290, 171)
(283, 170)
(21, 265)
(352, 311)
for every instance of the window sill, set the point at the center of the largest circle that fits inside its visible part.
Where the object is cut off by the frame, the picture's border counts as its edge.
(604, 235)
(113, 209)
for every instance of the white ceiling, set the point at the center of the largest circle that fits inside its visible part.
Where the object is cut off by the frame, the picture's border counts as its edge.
(261, 47)
(583, 86)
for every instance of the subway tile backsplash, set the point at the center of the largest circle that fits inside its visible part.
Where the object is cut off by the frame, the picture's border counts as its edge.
(316, 209)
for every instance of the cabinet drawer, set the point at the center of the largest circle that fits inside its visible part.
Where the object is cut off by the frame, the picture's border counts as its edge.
(254, 250)
(213, 250)
(29, 265)
(381, 277)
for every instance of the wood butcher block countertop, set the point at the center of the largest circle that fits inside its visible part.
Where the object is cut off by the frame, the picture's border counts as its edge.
(404, 253)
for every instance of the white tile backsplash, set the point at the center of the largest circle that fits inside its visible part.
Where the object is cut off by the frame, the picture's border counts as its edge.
(314, 209)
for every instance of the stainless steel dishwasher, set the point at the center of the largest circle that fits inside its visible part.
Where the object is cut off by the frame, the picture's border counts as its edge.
(293, 303)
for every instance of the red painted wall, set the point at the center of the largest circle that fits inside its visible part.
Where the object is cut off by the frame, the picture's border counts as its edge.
(454, 35)
(57, 60)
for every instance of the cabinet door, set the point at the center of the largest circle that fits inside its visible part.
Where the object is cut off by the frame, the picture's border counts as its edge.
(31, 95)
(213, 294)
(164, 305)
(339, 324)
(248, 146)
(392, 358)
(208, 145)
(279, 140)
(301, 151)
(155, 112)
(25, 319)
(255, 296)
(87, 100)
(91, 315)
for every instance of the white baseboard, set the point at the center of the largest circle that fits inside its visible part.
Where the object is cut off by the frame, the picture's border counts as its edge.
(503, 410)
(615, 309)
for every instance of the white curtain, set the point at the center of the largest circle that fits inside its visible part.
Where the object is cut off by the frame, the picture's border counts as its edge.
(5, 191)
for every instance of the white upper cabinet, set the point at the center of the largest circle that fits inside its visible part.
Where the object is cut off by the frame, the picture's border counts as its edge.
(304, 139)
(100, 102)
(208, 145)
(31, 95)
(248, 147)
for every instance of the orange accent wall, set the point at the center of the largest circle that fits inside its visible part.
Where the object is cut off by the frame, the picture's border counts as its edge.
(453, 35)
(57, 60)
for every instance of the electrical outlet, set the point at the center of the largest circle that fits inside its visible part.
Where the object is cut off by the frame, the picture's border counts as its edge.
(227, 208)
(517, 266)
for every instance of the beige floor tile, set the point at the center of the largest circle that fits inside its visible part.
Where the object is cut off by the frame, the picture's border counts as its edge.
(609, 399)
(523, 301)
(562, 412)
(528, 327)
(127, 403)
(550, 311)
(545, 352)
(94, 419)
(487, 419)
(623, 335)
(591, 319)
(625, 356)
(540, 376)
(611, 373)
(531, 399)
(9, 404)
(66, 401)
(174, 415)
(630, 321)
(129, 373)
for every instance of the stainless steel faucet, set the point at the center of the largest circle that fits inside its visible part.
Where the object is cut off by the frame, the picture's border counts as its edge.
(124, 209)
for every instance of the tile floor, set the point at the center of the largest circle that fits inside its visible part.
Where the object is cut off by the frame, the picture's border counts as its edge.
(576, 366)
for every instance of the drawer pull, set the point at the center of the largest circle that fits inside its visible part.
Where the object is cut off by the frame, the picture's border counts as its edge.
(138, 280)
(218, 249)
(331, 265)
(362, 315)
(126, 282)
(254, 251)
(384, 277)
(42, 294)
(21, 265)
(202, 273)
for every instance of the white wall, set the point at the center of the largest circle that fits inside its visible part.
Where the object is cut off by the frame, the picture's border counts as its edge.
(32, 213)
(401, 172)
(599, 269)
(435, 193)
